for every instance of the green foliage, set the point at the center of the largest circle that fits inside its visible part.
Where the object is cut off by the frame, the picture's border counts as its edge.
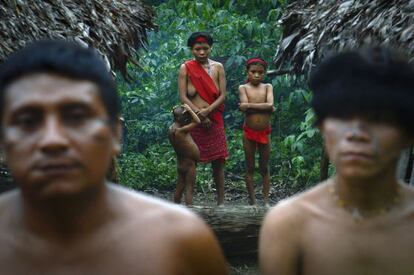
(155, 167)
(241, 29)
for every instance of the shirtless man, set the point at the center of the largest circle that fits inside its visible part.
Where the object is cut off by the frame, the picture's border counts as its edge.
(202, 85)
(59, 131)
(187, 151)
(360, 221)
(256, 100)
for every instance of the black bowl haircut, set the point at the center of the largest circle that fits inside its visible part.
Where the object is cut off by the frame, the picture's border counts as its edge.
(374, 82)
(63, 58)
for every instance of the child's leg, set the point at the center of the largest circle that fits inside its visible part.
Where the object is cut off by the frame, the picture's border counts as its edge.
(218, 177)
(249, 153)
(190, 181)
(264, 154)
(181, 171)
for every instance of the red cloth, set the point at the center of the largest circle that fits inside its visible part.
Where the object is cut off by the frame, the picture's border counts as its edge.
(258, 136)
(256, 60)
(205, 87)
(211, 142)
(201, 39)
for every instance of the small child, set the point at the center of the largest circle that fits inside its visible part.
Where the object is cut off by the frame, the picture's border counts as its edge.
(185, 148)
(256, 100)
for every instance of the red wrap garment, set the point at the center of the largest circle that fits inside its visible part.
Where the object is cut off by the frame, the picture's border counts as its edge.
(211, 142)
(258, 136)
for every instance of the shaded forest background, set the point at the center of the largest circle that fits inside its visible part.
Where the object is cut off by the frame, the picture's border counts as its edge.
(241, 29)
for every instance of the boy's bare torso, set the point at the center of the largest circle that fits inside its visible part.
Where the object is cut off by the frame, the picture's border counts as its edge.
(328, 240)
(256, 119)
(184, 146)
(137, 242)
(193, 96)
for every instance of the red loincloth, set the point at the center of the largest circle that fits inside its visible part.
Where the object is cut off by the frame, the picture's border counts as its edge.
(205, 88)
(211, 142)
(258, 136)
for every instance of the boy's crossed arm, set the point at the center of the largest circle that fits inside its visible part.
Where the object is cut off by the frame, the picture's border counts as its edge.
(246, 106)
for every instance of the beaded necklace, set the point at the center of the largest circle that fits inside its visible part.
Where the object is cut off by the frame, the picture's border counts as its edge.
(356, 213)
(208, 67)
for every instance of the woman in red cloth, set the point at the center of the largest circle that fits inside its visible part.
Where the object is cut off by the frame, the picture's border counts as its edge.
(256, 100)
(202, 86)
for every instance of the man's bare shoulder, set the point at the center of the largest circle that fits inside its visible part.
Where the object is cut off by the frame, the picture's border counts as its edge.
(298, 208)
(7, 199)
(407, 197)
(173, 228)
(144, 208)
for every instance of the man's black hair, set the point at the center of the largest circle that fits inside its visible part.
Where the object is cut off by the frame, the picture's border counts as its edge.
(193, 37)
(374, 82)
(66, 59)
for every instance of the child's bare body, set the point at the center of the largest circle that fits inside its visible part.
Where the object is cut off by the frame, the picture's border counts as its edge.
(187, 151)
(256, 100)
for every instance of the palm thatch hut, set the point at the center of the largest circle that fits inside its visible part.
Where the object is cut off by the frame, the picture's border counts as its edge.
(116, 28)
(313, 29)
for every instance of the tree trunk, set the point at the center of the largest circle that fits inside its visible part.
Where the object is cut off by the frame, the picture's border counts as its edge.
(403, 164)
(236, 227)
(412, 176)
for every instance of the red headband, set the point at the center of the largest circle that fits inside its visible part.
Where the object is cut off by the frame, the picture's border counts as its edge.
(201, 39)
(256, 60)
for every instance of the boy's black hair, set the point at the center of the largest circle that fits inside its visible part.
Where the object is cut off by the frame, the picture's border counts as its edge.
(181, 116)
(66, 59)
(193, 37)
(374, 82)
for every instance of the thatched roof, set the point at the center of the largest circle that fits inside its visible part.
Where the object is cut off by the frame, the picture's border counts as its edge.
(314, 28)
(116, 28)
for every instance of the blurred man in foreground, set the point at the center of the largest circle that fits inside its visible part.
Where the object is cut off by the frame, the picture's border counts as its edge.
(59, 131)
(361, 220)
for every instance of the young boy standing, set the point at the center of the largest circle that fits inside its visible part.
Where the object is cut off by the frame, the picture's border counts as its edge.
(256, 100)
(187, 151)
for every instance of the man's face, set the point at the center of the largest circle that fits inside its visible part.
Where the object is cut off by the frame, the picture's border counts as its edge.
(201, 51)
(56, 136)
(256, 73)
(360, 148)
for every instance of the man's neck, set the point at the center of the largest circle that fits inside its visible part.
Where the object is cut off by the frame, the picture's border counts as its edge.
(367, 195)
(67, 218)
